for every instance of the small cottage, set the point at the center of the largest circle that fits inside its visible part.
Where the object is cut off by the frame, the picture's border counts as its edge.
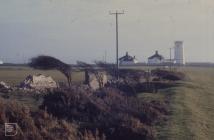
(128, 60)
(156, 59)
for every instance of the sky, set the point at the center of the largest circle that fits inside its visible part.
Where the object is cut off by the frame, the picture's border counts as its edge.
(83, 30)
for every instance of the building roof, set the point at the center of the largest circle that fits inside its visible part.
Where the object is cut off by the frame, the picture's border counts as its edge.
(127, 57)
(156, 55)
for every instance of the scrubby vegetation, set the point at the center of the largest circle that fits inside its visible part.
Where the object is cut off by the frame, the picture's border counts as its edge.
(134, 81)
(109, 111)
(168, 75)
(39, 125)
(78, 112)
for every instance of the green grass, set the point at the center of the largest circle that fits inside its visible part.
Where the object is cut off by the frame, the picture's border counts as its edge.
(191, 106)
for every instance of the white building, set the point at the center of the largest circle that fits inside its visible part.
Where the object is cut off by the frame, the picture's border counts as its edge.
(156, 59)
(169, 61)
(1, 62)
(128, 60)
(179, 53)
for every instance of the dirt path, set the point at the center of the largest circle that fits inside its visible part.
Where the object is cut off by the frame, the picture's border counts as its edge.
(192, 108)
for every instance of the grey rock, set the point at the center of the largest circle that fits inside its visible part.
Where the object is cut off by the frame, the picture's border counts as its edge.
(38, 82)
(4, 87)
(96, 81)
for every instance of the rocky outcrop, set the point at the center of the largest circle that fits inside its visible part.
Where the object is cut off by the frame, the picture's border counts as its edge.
(38, 82)
(96, 81)
(4, 87)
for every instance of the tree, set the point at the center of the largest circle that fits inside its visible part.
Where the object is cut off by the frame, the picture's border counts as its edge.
(48, 62)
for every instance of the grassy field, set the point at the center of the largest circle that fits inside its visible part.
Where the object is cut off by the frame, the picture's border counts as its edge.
(14, 75)
(191, 107)
(191, 104)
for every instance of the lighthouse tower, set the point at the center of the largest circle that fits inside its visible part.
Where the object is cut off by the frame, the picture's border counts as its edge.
(179, 53)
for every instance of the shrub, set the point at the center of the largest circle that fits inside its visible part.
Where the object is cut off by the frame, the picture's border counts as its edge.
(115, 115)
(38, 125)
(168, 75)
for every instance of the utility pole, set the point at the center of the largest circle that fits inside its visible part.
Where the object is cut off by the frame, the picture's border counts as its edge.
(117, 44)
(170, 64)
(105, 57)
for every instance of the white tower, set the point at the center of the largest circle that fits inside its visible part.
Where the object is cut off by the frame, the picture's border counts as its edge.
(179, 53)
(1, 62)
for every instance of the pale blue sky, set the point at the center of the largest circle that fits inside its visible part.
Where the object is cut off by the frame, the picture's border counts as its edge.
(83, 29)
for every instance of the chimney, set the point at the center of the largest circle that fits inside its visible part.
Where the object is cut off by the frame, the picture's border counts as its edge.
(156, 52)
(127, 54)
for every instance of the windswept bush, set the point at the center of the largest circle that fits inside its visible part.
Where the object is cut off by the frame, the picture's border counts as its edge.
(48, 63)
(115, 115)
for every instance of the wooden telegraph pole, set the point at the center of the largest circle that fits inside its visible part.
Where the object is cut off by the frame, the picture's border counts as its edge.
(117, 44)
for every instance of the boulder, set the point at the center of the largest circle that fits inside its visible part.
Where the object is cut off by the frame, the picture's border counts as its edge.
(94, 82)
(4, 87)
(38, 82)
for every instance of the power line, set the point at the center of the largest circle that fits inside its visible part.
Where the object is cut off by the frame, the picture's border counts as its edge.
(117, 44)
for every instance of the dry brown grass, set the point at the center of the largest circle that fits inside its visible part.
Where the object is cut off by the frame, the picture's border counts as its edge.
(108, 110)
(38, 125)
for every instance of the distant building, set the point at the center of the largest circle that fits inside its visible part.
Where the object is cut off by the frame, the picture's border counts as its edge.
(128, 60)
(179, 53)
(156, 59)
(168, 61)
(1, 62)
